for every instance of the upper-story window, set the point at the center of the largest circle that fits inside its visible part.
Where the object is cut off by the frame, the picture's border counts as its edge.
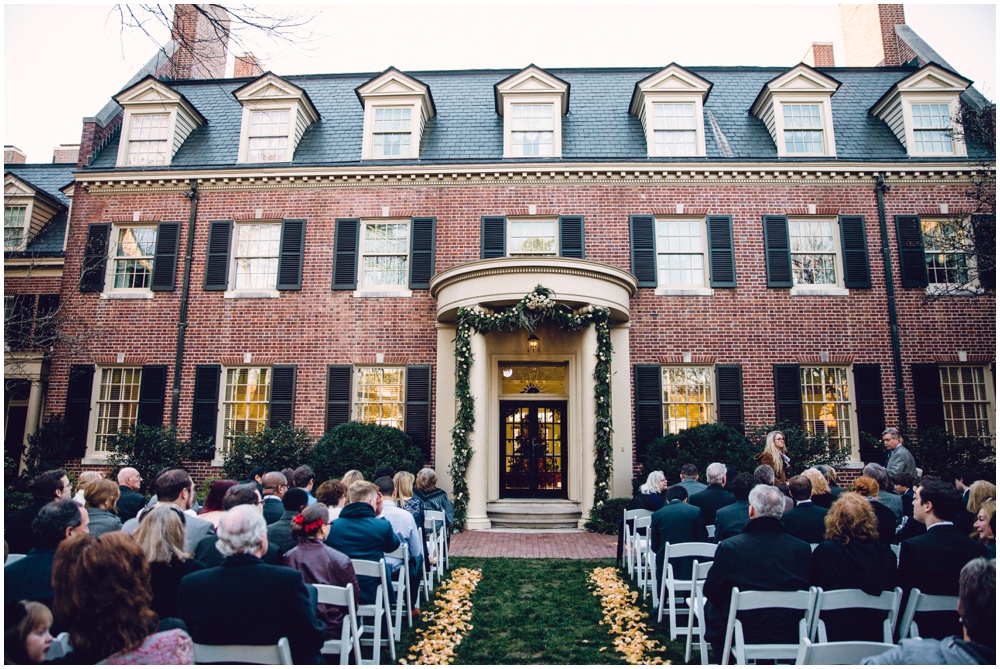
(815, 255)
(267, 139)
(946, 251)
(255, 256)
(680, 253)
(157, 120)
(13, 228)
(532, 103)
(932, 128)
(397, 107)
(385, 253)
(148, 140)
(531, 130)
(674, 128)
(796, 107)
(532, 237)
(803, 128)
(275, 115)
(670, 105)
(813, 245)
(132, 257)
(391, 135)
(687, 398)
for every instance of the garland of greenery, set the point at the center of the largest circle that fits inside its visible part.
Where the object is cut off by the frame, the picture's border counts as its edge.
(536, 307)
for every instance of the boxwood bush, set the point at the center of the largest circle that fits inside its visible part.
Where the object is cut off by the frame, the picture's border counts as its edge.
(604, 519)
(364, 447)
(273, 448)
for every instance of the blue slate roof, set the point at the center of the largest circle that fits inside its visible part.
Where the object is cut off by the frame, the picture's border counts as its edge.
(50, 179)
(598, 126)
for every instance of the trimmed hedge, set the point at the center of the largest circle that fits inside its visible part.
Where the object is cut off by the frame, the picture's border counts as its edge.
(365, 447)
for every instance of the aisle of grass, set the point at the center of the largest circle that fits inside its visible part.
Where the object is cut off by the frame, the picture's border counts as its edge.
(538, 611)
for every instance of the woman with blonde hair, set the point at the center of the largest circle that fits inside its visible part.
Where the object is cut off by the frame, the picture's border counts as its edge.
(350, 477)
(101, 496)
(821, 494)
(404, 499)
(774, 456)
(979, 492)
(81, 483)
(985, 526)
(161, 536)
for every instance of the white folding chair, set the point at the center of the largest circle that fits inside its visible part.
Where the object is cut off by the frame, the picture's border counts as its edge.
(640, 554)
(402, 590)
(834, 600)
(839, 652)
(672, 588)
(802, 600)
(275, 653)
(379, 611)
(13, 557)
(921, 603)
(435, 522)
(628, 540)
(350, 638)
(711, 531)
(60, 648)
(696, 610)
(895, 549)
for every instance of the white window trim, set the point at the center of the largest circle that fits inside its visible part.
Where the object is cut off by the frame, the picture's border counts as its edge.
(552, 99)
(355, 380)
(957, 289)
(908, 100)
(249, 108)
(92, 456)
(648, 121)
(825, 114)
(691, 290)
(990, 395)
(524, 219)
(123, 143)
(232, 293)
(713, 411)
(416, 123)
(382, 291)
(827, 289)
(112, 293)
(28, 204)
(852, 412)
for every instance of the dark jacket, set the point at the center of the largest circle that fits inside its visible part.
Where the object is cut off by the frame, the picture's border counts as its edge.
(730, 520)
(165, 582)
(129, 503)
(824, 499)
(710, 500)
(906, 499)
(279, 533)
(911, 528)
(650, 502)
(763, 557)
(17, 528)
(245, 601)
(676, 523)
(867, 565)
(360, 535)
(436, 500)
(807, 521)
(273, 509)
(30, 577)
(209, 555)
(318, 563)
(886, 521)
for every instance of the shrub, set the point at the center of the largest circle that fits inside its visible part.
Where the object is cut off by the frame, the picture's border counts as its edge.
(48, 448)
(147, 448)
(700, 446)
(273, 448)
(938, 453)
(804, 451)
(605, 518)
(365, 447)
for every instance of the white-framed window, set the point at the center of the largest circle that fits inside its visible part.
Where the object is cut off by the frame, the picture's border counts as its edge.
(947, 251)
(533, 237)
(246, 402)
(132, 250)
(532, 130)
(255, 256)
(827, 404)
(680, 253)
(932, 128)
(379, 395)
(267, 135)
(675, 129)
(117, 404)
(392, 132)
(968, 407)
(385, 248)
(688, 398)
(148, 140)
(13, 228)
(813, 245)
(803, 128)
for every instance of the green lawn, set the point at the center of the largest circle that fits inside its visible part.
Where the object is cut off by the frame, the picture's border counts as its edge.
(538, 611)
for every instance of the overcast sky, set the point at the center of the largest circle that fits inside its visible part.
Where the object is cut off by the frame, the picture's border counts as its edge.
(64, 62)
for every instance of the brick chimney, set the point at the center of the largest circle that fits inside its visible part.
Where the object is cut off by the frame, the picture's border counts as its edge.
(13, 155)
(247, 65)
(870, 34)
(201, 35)
(820, 54)
(66, 153)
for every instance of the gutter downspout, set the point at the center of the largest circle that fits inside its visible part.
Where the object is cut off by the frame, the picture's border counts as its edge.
(890, 292)
(182, 323)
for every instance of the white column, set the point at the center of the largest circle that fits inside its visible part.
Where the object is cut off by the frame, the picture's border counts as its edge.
(34, 409)
(621, 412)
(478, 475)
(588, 406)
(444, 407)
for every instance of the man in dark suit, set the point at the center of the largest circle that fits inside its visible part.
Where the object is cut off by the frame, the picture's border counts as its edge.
(807, 521)
(676, 522)
(715, 496)
(964, 478)
(130, 502)
(279, 533)
(730, 520)
(763, 557)
(933, 561)
(222, 605)
(47, 487)
(273, 488)
(689, 479)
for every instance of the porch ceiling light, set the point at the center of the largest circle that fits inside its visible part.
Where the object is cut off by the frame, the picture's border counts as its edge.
(533, 342)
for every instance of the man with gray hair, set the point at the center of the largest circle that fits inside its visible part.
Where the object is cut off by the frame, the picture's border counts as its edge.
(898, 459)
(892, 501)
(222, 605)
(765, 474)
(715, 496)
(763, 557)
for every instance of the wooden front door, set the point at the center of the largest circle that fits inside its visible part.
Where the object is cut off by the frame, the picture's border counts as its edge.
(533, 449)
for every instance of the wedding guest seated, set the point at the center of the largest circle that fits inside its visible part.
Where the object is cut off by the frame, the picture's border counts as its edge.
(676, 523)
(868, 488)
(279, 533)
(304, 477)
(715, 496)
(830, 474)
(174, 488)
(821, 494)
(903, 484)
(350, 476)
(26, 635)
(404, 499)
(433, 498)
(333, 495)
(102, 599)
(979, 492)
(245, 601)
(239, 495)
(985, 526)
(689, 479)
(886, 493)
(161, 536)
(806, 520)
(764, 475)
(81, 483)
(730, 520)
(100, 497)
(212, 509)
(649, 497)
(130, 503)
(318, 563)
(852, 557)
(47, 487)
(273, 488)
(406, 529)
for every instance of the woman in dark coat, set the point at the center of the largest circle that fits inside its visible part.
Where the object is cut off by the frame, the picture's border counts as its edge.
(650, 497)
(852, 557)
(161, 536)
(868, 488)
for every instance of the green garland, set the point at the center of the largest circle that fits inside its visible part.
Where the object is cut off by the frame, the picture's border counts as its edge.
(536, 307)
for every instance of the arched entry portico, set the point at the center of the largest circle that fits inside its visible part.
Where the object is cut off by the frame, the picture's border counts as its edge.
(518, 431)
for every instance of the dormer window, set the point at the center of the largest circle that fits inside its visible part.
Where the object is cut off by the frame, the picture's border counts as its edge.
(803, 128)
(674, 129)
(148, 140)
(670, 105)
(275, 115)
(391, 134)
(13, 228)
(531, 130)
(397, 107)
(267, 139)
(26, 211)
(931, 128)
(532, 104)
(797, 110)
(157, 120)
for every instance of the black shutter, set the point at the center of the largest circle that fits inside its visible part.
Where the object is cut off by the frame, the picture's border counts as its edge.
(293, 248)
(777, 252)
(787, 394)
(422, 235)
(494, 237)
(46, 320)
(168, 237)
(338, 395)
(152, 394)
(345, 254)
(912, 264)
(854, 244)
(206, 401)
(648, 407)
(870, 407)
(984, 235)
(78, 392)
(17, 330)
(95, 259)
(217, 263)
(282, 395)
(418, 407)
(927, 396)
(729, 388)
(571, 237)
(721, 252)
(643, 242)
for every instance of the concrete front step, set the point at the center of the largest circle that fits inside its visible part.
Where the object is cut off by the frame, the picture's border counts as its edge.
(534, 514)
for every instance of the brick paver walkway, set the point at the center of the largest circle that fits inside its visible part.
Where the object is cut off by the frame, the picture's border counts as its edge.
(569, 544)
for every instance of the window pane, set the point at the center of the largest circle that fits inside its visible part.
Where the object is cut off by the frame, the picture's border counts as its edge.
(13, 227)
(385, 252)
(379, 396)
(680, 252)
(687, 397)
(826, 404)
(246, 403)
(967, 408)
(148, 141)
(945, 251)
(133, 256)
(814, 252)
(532, 237)
(256, 256)
(117, 403)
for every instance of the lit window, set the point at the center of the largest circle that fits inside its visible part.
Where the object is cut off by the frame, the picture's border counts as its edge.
(268, 138)
(255, 258)
(674, 129)
(133, 256)
(148, 140)
(687, 398)
(532, 131)
(814, 252)
(680, 252)
(385, 252)
(13, 228)
(391, 135)
(945, 252)
(826, 404)
(379, 396)
(932, 128)
(803, 128)
(532, 237)
(246, 404)
(967, 407)
(117, 403)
